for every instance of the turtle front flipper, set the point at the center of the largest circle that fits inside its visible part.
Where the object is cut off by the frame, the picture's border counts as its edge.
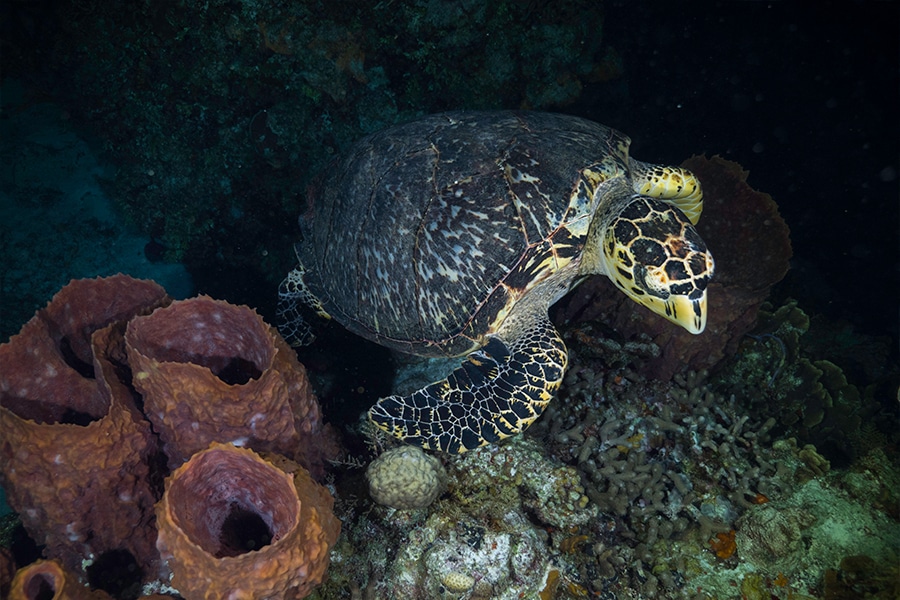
(497, 392)
(295, 299)
(674, 184)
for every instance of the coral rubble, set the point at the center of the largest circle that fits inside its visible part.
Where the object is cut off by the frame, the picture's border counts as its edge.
(223, 489)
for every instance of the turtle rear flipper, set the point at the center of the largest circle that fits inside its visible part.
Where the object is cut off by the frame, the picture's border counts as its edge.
(295, 301)
(497, 392)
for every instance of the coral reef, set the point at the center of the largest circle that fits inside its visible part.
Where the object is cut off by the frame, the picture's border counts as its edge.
(234, 104)
(205, 543)
(751, 245)
(486, 538)
(859, 576)
(497, 480)
(630, 488)
(83, 466)
(811, 399)
(211, 371)
(661, 463)
(802, 535)
(506, 561)
(406, 478)
(265, 91)
(694, 491)
(76, 453)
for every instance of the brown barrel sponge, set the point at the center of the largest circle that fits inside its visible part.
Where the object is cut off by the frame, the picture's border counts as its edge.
(213, 371)
(49, 579)
(74, 451)
(234, 525)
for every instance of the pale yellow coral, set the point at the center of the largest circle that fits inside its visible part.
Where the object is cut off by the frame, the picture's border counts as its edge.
(406, 478)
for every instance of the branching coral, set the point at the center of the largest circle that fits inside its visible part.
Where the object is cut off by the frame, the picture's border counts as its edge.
(810, 399)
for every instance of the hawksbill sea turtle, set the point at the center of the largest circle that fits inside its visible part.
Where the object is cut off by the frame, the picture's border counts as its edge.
(453, 234)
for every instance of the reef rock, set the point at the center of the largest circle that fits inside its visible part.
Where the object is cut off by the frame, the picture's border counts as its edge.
(446, 557)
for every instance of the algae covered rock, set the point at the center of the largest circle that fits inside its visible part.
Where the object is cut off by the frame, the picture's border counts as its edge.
(448, 558)
(489, 483)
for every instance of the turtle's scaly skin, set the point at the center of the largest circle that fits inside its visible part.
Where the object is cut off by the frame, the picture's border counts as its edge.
(453, 234)
(469, 409)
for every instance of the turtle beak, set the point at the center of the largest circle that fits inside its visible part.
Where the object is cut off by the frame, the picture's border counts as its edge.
(682, 310)
(688, 310)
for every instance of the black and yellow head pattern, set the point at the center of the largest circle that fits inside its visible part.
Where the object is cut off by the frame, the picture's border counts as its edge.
(653, 254)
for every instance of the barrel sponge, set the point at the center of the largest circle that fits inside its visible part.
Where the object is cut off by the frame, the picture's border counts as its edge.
(50, 579)
(72, 439)
(234, 525)
(212, 371)
(406, 478)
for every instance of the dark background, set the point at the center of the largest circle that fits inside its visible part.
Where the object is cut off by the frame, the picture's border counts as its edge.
(804, 96)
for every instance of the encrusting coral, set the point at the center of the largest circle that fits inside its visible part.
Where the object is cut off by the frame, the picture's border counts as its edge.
(82, 465)
(237, 489)
(212, 371)
(75, 450)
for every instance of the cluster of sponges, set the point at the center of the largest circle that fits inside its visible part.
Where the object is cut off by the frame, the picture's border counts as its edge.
(112, 376)
(406, 478)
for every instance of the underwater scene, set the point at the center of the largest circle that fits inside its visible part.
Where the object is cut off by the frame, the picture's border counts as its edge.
(449, 300)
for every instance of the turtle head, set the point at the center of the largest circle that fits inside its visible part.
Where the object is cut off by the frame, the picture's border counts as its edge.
(652, 253)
